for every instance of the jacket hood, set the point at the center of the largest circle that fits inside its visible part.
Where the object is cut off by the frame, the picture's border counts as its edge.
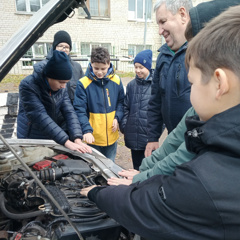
(204, 12)
(90, 74)
(219, 133)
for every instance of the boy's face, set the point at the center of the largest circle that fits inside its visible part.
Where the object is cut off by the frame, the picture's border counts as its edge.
(56, 85)
(100, 69)
(202, 94)
(141, 71)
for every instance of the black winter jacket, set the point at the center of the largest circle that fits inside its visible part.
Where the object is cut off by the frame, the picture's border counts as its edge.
(40, 108)
(199, 201)
(134, 122)
(77, 73)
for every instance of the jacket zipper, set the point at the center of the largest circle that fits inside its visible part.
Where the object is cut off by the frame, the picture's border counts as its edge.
(178, 80)
(105, 110)
(54, 111)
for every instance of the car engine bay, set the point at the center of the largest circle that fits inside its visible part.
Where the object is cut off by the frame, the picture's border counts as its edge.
(27, 212)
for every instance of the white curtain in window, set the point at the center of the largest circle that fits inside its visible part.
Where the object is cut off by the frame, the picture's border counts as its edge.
(140, 9)
(21, 5)
(94, 7)
(34, 5)
(104, 8)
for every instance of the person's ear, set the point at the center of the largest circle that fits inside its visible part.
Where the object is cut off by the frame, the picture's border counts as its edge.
(222, 83)
(184, 15)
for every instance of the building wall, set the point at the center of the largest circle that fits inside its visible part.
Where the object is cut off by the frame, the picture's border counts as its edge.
(117, 30)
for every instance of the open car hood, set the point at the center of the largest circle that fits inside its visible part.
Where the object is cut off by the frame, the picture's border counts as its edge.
(53, 12)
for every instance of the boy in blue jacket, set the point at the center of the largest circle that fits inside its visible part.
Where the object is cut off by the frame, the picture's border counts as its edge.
(42, 98)
(98, 103)
(134, 122)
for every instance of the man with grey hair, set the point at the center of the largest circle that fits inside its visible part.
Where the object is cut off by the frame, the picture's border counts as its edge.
(170, 97)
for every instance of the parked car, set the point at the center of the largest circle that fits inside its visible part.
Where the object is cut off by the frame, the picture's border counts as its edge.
(40, 181)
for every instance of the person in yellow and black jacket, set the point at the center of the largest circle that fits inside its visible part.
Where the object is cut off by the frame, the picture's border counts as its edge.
(98, 103)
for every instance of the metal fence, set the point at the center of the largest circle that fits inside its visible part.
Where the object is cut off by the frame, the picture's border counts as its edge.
(121, 56)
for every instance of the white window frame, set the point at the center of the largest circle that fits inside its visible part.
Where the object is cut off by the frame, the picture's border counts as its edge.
(27, 5)
(88, 3)
(34, 55)
(84, 64)
(132, 15)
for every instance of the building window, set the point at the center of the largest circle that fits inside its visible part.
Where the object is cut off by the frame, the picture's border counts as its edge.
(38, 50)
(30, 5)
(137, 9)
(133, 50)
(86, 49)
(97, 8)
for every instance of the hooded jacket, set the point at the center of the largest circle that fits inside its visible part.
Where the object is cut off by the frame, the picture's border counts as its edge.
(199, 201)
(134, 122)
(204, 12)
(41, 110)
(170, 98)
(97, 102)
(77, 73)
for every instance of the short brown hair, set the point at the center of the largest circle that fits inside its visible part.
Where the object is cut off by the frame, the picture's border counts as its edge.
(188, 32)
(217, 45)
(100, 55)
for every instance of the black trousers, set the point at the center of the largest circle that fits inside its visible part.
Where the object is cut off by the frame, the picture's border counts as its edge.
(137, 157)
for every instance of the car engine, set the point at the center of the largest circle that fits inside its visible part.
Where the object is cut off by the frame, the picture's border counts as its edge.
(27, 212)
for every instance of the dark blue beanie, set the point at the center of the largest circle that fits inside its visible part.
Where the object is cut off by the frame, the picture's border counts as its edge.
(144, 58)
(58, 67)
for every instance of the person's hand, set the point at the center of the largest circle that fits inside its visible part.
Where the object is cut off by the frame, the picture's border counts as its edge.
(74, 146)
(129, 174)
(150, 147)
(119, 181)
(85, 147)
(114, 125)
(88, 138)
(85, 191)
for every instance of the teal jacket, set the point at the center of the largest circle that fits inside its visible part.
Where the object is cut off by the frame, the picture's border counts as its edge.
(172, 153)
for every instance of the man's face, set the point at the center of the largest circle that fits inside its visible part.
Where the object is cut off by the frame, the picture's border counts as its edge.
(141, 71)
(202, 94)
(56, 85)
(100, 69)
(172, 27)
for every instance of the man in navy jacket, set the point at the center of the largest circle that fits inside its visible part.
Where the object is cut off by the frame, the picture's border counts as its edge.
(170, 97)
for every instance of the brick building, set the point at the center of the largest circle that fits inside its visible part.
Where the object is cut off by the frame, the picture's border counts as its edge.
(118, 25)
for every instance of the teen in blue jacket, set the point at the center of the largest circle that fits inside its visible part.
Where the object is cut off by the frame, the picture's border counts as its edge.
(42, 98)
(98, 103)
(134, 122)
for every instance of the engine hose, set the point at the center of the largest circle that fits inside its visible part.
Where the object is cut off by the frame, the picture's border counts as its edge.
(62, 219)
(15, 215)
(85, 178)
(85, 211)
